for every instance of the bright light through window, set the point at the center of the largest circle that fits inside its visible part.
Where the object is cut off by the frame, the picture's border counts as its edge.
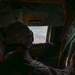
(40, 33)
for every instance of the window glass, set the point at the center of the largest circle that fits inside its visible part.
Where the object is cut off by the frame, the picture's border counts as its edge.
(40, 33)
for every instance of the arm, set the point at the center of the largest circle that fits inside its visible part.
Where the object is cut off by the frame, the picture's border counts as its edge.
(41, 69)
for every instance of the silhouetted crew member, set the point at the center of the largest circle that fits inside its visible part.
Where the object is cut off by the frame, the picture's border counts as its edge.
(19, 37)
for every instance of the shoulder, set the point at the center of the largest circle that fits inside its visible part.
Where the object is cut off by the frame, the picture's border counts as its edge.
(9, 55)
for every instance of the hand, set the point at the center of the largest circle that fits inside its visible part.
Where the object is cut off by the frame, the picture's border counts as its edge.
(72, 61)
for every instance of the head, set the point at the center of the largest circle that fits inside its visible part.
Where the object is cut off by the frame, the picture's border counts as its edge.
(18, 35)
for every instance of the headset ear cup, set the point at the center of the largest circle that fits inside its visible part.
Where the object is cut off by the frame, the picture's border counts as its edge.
(32, 35)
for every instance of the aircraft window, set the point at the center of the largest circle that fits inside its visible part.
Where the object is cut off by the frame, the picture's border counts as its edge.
(40, 33)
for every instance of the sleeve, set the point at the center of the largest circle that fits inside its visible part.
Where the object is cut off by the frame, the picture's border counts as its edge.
(41, 69)
(44, 70)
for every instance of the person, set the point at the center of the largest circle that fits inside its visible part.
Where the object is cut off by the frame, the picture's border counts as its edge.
(19, 62)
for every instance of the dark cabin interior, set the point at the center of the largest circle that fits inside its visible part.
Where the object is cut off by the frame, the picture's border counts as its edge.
(57, 14)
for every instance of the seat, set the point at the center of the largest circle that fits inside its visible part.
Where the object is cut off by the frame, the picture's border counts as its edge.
(1, 56)
(2, 49)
